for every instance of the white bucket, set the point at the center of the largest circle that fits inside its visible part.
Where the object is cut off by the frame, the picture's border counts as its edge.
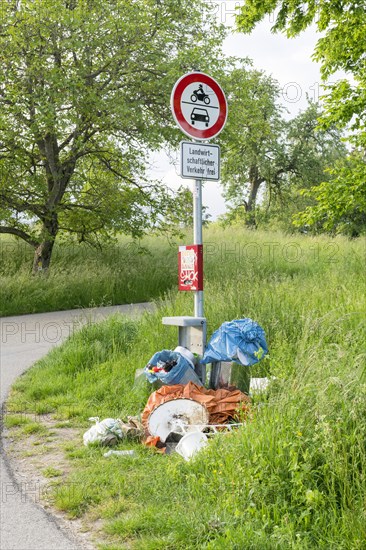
(186, 354)
(190, 444)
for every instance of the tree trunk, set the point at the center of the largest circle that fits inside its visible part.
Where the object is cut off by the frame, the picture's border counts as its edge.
(42, 256)
(43, 251)
(254, 187)
(255, 182)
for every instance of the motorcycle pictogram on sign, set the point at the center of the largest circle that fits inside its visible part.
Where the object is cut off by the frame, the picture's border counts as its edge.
(200, 95)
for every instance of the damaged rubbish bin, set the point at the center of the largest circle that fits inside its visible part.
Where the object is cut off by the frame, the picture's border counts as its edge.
(232, 349)
(171, 367)
(224, 374)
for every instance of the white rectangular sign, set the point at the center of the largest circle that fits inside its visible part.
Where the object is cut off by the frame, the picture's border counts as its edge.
(200, 161)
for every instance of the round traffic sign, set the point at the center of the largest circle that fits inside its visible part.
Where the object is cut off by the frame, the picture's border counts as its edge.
(199, 106)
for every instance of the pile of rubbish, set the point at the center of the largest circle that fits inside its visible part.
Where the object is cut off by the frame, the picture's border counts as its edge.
(174, 411)
(222, 405)
(183, 414)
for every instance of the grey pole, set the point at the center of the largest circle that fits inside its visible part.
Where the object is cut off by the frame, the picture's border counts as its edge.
(197, 234)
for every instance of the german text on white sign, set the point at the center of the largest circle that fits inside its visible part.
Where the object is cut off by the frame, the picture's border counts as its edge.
(200, 161)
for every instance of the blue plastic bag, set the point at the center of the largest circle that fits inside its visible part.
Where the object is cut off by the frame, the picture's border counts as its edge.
(181, 373)
(242, 341)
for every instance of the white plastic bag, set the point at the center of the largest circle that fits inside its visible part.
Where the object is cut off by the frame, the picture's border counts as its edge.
(102, 430)
(119, 453)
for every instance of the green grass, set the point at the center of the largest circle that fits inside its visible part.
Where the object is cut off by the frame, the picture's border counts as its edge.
(15, 421)
(81, 276)
(295, 476)
(34, 428)
(51, 472)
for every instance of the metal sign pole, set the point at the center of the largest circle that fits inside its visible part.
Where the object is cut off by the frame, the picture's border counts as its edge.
(197, 237)
(199, 108)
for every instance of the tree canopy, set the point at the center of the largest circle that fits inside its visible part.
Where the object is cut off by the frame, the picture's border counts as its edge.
(340, 201)
(84, 96)
(263, 151)
(341, 47)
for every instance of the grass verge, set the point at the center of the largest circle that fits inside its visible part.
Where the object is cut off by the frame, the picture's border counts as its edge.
(81, 276)
(294, 477)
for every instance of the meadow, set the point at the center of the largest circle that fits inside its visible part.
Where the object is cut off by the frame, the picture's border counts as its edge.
(294, 477)
(80, 276)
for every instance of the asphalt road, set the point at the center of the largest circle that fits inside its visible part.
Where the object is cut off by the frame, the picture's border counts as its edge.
(23, 340)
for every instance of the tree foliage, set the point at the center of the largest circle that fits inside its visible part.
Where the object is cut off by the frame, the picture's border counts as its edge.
(341, 47)
(84, 97)
(266, 155)
(252, 142)
(340, 202)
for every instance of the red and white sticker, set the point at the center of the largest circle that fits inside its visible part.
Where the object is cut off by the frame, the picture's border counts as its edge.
(190, 267)
(199, 106)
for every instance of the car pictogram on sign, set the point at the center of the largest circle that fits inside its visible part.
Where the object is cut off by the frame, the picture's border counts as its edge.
(200, 115)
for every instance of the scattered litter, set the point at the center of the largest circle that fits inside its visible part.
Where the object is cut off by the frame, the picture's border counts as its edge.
(119, 453)
(181, 410)
(171, 367)
(133, 428)
(183, 415)
(111, 431)
(154, 441)
(241, 340)
(190, 444)
(106, 432)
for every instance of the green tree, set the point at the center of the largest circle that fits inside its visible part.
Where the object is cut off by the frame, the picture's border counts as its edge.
(341, 47)
(84, 97)
(266, 155)
(253, 149)
(310, 152)
(185, 200)
(340, 202)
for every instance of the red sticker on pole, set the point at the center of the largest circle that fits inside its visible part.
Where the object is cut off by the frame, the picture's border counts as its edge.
(190, 267)
(199, 106)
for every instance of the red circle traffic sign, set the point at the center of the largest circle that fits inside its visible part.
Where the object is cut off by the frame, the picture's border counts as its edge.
(199, 106)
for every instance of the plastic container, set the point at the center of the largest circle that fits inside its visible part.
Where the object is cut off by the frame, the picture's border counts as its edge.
(190, 444)
(187, 354)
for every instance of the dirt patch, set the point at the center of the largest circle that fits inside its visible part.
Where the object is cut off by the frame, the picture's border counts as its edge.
(38, 461)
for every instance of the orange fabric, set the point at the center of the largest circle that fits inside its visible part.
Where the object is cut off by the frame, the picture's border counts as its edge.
(152, 441)
(221, 404)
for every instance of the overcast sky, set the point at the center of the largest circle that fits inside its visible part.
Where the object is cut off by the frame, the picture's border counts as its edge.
(287, 60)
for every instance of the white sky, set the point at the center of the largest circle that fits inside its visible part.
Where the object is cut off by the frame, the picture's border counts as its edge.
(287, 60)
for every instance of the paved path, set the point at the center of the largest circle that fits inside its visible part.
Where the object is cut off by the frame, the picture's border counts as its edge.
(23, 340)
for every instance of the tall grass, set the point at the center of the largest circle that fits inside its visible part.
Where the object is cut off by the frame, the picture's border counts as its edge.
(295, 476)
(81, 276)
